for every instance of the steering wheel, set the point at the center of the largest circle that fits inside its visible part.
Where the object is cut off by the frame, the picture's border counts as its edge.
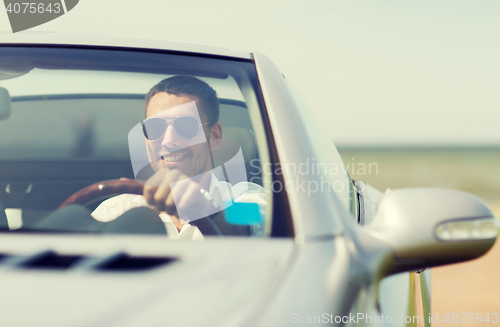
(106, 189)
(102, 191)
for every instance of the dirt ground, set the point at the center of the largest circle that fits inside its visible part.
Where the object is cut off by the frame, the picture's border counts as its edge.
(470, 287)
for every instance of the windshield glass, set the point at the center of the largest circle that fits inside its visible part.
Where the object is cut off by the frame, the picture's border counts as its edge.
(114, 141)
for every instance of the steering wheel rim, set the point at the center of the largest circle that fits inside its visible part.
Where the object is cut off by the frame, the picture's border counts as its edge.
(102, 190)
(112, 187)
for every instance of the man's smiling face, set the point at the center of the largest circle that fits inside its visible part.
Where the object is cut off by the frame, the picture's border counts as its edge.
(190, 156)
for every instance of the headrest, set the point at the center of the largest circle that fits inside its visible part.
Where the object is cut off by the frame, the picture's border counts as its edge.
(234, 139)
(3, 218)
(4, 104)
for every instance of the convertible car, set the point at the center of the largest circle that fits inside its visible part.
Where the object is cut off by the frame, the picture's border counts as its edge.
(314, 247)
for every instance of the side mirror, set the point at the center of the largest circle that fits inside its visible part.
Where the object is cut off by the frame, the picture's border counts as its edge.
(426, 227)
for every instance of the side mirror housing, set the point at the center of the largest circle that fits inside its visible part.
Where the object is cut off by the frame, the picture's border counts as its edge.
(426, 227)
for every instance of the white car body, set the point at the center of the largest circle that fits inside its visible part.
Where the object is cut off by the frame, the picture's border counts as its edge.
(218, 282)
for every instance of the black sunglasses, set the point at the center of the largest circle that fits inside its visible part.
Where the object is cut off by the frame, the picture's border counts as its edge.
(186, 126)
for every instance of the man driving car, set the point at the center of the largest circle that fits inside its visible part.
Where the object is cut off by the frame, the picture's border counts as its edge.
(182, 129)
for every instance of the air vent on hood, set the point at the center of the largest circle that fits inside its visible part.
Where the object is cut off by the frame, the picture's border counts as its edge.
(52, 260)
(39, 260)
(115, 262)
(124, 262)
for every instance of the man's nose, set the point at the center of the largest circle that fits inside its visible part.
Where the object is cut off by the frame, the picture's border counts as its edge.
(170, 138)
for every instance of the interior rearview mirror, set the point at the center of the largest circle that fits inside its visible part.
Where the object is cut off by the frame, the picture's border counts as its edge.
(426, 227)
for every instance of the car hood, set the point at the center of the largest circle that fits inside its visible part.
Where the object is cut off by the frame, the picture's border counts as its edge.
(218, 282)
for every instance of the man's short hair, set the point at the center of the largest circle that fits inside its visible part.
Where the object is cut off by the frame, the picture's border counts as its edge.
(178, 85)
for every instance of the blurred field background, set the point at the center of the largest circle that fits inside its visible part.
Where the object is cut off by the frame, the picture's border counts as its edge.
(475, 170)
(470, 287)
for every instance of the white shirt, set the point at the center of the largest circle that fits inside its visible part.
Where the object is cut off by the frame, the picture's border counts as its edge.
(220, 190)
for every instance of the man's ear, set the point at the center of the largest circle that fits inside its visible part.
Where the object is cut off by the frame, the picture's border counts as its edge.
(215, 136)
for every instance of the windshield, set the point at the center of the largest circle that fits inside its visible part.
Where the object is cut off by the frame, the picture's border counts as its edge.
(114, 141)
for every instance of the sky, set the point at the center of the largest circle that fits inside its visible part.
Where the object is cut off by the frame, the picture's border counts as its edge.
(384, 72)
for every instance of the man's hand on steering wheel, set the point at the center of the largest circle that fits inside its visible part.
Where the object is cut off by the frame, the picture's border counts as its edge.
(174, 192)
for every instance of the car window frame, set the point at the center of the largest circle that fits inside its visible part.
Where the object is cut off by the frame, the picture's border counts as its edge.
(282, 223)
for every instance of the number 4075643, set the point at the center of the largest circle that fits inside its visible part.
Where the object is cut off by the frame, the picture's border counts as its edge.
(33, 8)
(471, 318)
